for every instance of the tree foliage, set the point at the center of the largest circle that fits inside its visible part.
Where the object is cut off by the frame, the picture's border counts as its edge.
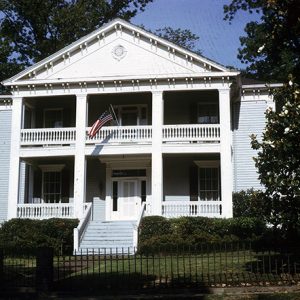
(181, 37)
(248, 203)
(272, 45)
(278, 160)
(32, 30)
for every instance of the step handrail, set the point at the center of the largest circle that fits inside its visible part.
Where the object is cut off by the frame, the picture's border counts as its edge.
(137, 225)
(80, 229)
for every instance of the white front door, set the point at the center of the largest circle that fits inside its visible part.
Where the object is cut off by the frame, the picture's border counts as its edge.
(126, 202)
(129, 200)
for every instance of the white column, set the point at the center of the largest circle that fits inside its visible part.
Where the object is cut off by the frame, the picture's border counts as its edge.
(157, 159)
(80, 161)
(225, 155)
(14, 168)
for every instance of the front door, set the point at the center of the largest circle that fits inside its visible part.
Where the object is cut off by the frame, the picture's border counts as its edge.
(126, 202)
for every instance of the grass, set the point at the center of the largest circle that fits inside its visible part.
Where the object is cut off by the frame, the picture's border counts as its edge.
(230, 268)
(240, 267)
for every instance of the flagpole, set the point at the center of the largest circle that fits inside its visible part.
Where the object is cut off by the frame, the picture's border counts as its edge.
(112, 110)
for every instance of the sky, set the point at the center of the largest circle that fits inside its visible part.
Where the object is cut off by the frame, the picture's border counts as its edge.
(218, 40)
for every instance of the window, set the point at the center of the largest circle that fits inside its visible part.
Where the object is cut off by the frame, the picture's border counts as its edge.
(52, 187)
(52, 183)
(208, 113)
(209, 180)
(143, 191)
(209, 184)
(129, 173)
(53, 118)
(131, 115)
(115, 195)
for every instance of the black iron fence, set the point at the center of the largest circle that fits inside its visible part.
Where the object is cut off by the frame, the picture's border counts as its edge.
(217, 265)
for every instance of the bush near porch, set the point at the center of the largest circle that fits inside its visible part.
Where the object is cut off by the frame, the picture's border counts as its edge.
(28, 234)
(158, 233)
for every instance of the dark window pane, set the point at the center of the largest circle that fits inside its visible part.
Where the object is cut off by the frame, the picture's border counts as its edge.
(115, 195)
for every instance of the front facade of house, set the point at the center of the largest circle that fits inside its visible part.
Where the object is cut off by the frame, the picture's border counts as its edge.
(180, 142)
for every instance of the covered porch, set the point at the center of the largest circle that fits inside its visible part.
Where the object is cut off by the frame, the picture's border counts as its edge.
(117, 186)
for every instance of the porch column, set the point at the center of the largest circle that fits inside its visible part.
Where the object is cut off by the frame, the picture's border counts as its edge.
(225, 155)
(157, 159)
(80, 161)
(14, 167)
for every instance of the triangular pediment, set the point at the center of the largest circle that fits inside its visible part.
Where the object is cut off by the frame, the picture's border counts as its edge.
(118, 49)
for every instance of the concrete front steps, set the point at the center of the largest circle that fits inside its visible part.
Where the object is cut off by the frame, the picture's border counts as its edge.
(108, 237)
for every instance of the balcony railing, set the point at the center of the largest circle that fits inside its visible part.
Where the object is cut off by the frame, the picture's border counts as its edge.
(191, 133)
(208, 133)
(45, 210)
(173, 209)
(122, 134)
(48, 136)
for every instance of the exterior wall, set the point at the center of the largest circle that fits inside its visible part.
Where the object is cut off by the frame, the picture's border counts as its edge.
(95, 180)
(177, 176)
(100, 103)
(5, 133)
(249, 119)
(181, 107)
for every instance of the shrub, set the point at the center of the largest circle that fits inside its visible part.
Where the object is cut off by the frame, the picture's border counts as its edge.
(158, 234)
(27, 234)
(154, 226)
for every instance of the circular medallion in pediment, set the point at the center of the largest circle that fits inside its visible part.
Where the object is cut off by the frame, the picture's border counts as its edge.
(119, 52)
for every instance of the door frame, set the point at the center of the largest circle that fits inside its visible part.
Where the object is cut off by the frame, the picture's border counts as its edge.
(119, 214)
(130, 164)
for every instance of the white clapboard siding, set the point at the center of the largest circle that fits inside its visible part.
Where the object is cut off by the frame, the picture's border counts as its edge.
(5, 130)
(249, 119)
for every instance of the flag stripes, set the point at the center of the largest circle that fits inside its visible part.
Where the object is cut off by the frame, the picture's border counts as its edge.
(104, 118)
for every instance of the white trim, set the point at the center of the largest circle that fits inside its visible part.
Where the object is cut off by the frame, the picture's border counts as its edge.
(262, 85)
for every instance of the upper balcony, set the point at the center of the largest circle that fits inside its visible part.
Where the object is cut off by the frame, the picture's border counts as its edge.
(190, 118)
(116, 135)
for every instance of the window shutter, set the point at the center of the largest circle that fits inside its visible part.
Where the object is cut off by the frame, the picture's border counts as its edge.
(193, 183)
(37, 184)
(65, 183)
(193, 113)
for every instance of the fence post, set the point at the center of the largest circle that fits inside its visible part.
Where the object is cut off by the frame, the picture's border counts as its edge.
(1, 265)
(44, 269)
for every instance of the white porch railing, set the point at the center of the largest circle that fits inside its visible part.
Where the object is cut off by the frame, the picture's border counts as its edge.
(45, 210)
(80, 229)
(122, 134)
(190, 133)
(172, 209)
(48, 136)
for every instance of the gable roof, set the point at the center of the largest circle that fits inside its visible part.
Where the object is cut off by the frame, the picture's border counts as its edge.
(116, 24)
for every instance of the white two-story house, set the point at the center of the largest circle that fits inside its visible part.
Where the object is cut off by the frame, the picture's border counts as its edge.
(180, 143)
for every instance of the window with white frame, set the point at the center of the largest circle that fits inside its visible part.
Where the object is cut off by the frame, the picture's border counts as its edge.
(53, 118)
(51, 183)
(131, 115)
(208, 112)
(209, 180)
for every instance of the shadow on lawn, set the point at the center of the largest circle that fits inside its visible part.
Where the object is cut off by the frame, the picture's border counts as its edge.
(116, 283)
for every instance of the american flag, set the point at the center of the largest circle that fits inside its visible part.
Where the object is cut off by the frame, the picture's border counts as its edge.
(105, 117)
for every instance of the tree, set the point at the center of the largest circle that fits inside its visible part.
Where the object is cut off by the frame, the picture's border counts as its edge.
(32, 30)
(181, 37)
(272, 45)
(278, 161)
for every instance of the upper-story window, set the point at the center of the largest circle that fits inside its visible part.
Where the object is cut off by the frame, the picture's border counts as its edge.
(208, 113)
(131, 115)
(53, 118)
